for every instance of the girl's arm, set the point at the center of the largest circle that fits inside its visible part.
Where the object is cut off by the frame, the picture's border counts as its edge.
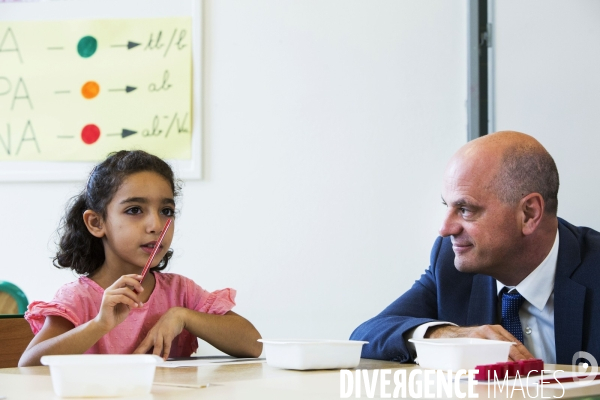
(231, 333)
(60, 336)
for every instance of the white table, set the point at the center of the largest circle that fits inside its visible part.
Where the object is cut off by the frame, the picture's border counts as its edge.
(243, 381)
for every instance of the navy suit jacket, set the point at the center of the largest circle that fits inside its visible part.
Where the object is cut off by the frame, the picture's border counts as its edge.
(445, 294)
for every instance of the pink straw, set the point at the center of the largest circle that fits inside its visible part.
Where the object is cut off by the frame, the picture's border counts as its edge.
(156, 247)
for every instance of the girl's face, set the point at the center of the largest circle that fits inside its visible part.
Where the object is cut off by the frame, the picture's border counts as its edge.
(135, 218)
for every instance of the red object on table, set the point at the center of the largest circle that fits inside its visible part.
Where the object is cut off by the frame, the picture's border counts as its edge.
(509, 369)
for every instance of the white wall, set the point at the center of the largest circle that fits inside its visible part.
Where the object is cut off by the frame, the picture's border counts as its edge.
(327, 125)
(548, 85)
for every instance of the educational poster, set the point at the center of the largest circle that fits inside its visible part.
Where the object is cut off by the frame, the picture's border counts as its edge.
(76, 90)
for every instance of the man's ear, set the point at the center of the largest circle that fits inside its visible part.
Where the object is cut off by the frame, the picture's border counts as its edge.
(94, 223)
(532, 208)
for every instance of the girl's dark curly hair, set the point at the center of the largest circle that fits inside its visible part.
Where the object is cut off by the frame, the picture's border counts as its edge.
(78, 249)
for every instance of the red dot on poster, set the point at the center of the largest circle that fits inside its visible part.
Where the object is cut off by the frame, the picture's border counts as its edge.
(90, 133)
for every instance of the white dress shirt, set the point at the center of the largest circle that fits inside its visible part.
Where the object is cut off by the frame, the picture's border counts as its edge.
(536, 313)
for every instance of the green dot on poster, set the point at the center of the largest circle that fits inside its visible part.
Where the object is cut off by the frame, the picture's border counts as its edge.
(87, 46)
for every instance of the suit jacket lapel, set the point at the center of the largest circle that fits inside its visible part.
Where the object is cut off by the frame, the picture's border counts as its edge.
(483, 304)
(569, 298)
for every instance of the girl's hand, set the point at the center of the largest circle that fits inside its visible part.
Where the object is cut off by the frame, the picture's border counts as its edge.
(163, 332)
(118, 299)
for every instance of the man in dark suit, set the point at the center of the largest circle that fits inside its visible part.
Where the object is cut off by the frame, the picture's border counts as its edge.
(504, 267)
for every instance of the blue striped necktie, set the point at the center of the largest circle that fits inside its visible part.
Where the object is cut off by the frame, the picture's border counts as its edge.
(511, 303)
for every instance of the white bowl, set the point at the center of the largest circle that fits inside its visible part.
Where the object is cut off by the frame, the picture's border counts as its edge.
(460, 353)
(312, 354)
(102, 375)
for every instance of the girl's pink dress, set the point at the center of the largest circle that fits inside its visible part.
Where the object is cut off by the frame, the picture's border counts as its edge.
(79, 302)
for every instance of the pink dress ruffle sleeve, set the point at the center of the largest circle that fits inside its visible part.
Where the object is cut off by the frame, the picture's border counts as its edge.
(79, 302)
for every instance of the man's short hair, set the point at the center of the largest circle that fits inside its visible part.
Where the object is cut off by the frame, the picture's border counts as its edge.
(527, 169)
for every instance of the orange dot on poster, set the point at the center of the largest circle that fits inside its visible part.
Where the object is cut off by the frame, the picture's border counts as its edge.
(90, 90)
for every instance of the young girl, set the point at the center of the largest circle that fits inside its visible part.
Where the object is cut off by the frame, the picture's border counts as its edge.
(107, 235)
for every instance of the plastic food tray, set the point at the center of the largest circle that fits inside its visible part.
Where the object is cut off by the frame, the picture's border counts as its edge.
(102, 375)
(460, 353)
(312, 354)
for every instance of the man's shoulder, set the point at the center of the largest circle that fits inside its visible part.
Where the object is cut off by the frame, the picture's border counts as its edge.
(574, 228)
(579, 249)
(585, 237)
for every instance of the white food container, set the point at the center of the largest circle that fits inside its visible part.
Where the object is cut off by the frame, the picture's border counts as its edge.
(312, 354)
(460, 353)
(102, 375)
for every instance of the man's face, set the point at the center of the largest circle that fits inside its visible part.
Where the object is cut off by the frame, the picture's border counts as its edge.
(484, 231)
